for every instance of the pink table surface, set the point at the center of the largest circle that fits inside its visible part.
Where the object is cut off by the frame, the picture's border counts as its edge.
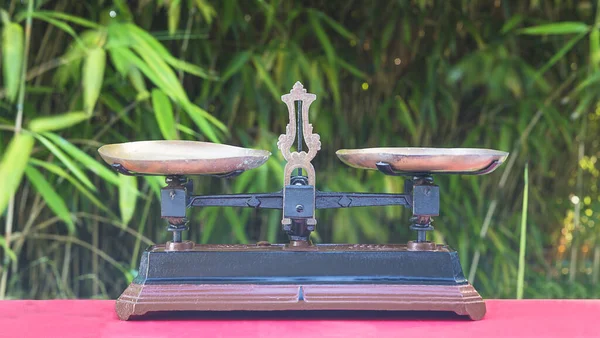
(504, 318)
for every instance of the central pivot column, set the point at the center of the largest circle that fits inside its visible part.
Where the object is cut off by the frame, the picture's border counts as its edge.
(173, 208)
(425, 205)
(299, 191)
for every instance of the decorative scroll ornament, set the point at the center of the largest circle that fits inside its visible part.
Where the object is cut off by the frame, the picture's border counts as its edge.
(297, 159)
(313, 141)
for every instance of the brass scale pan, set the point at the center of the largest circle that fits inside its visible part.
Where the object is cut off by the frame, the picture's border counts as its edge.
(205, 158)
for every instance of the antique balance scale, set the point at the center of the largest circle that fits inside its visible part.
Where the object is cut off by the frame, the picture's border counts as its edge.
(181, 275)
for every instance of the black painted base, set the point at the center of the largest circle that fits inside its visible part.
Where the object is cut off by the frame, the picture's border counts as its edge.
(319, 264)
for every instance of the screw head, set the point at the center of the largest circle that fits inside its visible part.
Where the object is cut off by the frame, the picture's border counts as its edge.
(299, 208)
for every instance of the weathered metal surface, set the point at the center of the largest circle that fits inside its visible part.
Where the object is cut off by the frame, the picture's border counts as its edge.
(182, 157)
(181, 275)
(140, 299)
(280, 264)
(425, 160)
(298, 159)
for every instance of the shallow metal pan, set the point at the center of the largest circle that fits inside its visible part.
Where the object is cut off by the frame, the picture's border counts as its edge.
(182, 157)
(425, 160)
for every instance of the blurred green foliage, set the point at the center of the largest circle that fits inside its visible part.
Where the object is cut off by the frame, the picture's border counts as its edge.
(520, 76)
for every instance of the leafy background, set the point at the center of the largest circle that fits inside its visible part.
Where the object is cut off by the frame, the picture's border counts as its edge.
(523, 77)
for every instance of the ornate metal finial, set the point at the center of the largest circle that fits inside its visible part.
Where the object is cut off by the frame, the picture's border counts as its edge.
(313, 141)
(299, 159)
(298, 87)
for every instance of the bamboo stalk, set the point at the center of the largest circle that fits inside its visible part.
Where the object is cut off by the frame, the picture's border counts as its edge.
(596, 266)
(95, 240)
(508, 169)
(577, 209)
(140, 231)
(523, 240)
(8, 225)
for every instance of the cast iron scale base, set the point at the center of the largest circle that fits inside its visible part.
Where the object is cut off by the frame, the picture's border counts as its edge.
(181, 275)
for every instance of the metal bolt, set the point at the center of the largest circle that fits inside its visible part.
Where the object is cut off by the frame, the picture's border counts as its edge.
(172, 194)
(299, 208)
(176, 236)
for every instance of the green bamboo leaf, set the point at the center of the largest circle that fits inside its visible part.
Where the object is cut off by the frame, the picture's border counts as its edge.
(199, 116)
(54, 201)
(127, 199)
(209, 216)
(161, 70)
(57, 170)
(127, 54)
(556, 28)
(187, 130)
(143, 42)
(57, 23)
(511, 23)
(12, 56)
(13, 166)
(582, 106)
(591, 79)
(163, 111)
(269, 12)
(207, 11)
(322, 37)
(67, 17)
(122, 64)
(228, 17)
(66, 161)
(57, 122)
(595, 49)
(237, 221)
(136, 79)
(558, 56)
(123, 10)
(264, 76)
(335, 25)
(237, 62)
(334, 83)
(352, 69)
(154, 67)
(156, 183)
(406, 118)
(175, 91)
(93, 75)
(71, 60)
(192, 69)
(386, 36)
(174, 14)
(7, 250)
(89, 162)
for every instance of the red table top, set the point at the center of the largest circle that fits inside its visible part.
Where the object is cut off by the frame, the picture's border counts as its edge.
(504, 318)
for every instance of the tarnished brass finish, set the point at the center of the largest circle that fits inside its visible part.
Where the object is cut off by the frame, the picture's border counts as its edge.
(313, 141)
(299, 275)
(179, 246)
(299, 244)
(141, 299)
(182, 157)
(421, 246)
(424, 160)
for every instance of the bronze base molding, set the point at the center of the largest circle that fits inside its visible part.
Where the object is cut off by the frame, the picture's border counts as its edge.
(140, 299)
(271, 277)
